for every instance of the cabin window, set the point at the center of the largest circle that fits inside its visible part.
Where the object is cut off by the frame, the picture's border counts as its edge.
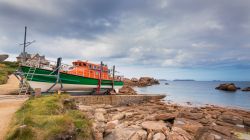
(90, 66)
(84, 65)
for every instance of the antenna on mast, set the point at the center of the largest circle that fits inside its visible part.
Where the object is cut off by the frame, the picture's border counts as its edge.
(25, 44)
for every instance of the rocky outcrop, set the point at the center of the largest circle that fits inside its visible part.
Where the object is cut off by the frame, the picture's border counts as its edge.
(127, 90)
(246, 89)
(130, 82)
(3, 57)
(156, 120)
(147, 81)
(227, 87)
(141, 82)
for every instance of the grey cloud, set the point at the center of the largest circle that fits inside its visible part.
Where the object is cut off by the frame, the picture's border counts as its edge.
(169, 33)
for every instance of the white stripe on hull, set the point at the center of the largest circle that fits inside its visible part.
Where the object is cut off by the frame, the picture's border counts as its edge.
(67, 87)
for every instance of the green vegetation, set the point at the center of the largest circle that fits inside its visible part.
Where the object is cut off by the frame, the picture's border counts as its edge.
(242, 136)
(6, 68)
(49, 117)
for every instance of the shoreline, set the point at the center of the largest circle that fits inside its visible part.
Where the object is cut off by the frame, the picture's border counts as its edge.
(193, 104)
(156, 119)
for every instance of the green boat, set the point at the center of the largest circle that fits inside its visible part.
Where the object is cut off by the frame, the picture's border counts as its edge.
(82, 76)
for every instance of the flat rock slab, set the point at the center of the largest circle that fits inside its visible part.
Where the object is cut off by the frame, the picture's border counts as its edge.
(122, 134)
(188, 125)
(116, 99)
(159, 136)
(157, 126)
(165, 117)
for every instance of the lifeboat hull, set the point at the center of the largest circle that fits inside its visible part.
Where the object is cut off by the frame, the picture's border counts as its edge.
(45, 79)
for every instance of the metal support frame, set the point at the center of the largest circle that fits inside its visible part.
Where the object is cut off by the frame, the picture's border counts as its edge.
(113, 78)
(99, 80)
(57, 72)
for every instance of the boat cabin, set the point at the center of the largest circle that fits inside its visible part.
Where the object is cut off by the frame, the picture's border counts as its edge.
(90, 70)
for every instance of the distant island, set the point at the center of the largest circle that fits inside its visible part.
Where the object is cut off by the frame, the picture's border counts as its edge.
(162, 80)
(183, 80)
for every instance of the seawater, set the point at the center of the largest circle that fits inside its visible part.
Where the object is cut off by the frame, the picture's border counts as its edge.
(201, 93)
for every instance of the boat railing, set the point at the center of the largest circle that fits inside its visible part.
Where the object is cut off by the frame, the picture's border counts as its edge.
(39, 63)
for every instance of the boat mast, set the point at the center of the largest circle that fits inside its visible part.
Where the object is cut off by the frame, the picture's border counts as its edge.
(24, 44)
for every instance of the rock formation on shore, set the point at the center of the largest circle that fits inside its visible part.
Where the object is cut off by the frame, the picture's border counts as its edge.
(156, 120)
(3, 57)
(141, 82)
(227, 87)
(246, 89)
(127, 90)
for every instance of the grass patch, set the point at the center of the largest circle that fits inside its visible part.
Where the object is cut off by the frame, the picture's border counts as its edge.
(49, 117)
(7, 68)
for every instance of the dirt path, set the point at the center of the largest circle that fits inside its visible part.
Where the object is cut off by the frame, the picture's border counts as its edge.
(9, 104)
(11, 87)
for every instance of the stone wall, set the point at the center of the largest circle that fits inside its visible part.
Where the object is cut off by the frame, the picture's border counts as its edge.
(115, 99)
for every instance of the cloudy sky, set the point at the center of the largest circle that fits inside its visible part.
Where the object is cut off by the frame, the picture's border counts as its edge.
(171, 39)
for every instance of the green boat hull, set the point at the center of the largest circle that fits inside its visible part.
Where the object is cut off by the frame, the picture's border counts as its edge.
(44, 79)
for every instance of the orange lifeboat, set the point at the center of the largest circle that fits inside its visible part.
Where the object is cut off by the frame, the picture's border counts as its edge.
(90, 70)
